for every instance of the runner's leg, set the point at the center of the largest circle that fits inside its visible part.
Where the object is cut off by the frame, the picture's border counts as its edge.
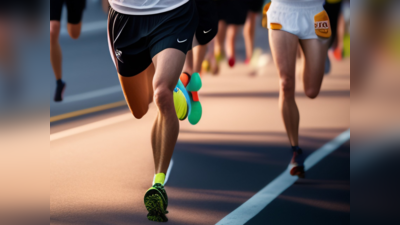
(314, 64)
(168, 67)
(249, 33)
(199, 53)
(189, 67)
(138, 91)
(231, 34)
(74, 30)
(284, 47)
(220, 38)
(55, 49)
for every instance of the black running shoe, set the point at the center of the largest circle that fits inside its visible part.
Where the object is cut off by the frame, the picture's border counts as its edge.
(58, 97)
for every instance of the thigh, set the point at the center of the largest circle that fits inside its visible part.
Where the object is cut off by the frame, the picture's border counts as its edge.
(138, 90)
(56, 9)
(284, 49)
(75, 10)
(315, 53)
(168, 65)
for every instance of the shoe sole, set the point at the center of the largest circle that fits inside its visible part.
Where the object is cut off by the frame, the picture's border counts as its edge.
(193, 85)
(298, 171)
(62, 95)
(155, 206)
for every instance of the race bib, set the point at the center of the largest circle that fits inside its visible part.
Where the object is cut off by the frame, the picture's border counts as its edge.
(322, 25)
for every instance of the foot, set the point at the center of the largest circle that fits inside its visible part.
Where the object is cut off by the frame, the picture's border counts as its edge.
(192, 84)
(156, 202)
(231, 62)
(181, 105)
(58, 97)
(297, 164)
(338, 53)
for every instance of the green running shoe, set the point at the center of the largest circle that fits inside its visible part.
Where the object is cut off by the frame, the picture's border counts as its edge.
(156, 202)
(192, 84)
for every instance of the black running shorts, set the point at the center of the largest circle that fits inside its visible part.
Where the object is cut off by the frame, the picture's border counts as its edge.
(255, 5)
(232, 11)
(74, 9)
(135, 40)
(208, 21)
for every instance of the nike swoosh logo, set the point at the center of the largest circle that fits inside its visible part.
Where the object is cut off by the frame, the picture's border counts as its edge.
(206, 32)
(182, 41)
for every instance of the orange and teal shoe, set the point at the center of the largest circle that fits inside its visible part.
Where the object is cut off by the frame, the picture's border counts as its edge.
(156, 202)
(192, 84)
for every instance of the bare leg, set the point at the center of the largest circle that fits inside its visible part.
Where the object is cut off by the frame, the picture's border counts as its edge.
(199, 53)
(249, 33)
(55, 49)
(138, 91)
(220, 38)
(231, 40)
(168, 64)
(284, 48)
(74, 30)
(188, 67)
(314, 64)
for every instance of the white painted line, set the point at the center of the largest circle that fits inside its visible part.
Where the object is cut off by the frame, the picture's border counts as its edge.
(259, 201)
(91, 126)
(87, 27)
(92, 94)
(171, 164)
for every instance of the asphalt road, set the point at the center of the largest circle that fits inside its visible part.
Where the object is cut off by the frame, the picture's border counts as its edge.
(101, 163)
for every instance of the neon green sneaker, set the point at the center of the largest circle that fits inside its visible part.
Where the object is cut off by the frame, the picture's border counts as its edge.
(156, 202)
(181, 105)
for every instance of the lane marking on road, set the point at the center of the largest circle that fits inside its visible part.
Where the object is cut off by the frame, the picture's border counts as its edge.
(171, 164)
(260, 200)
(92, 94)
(91, 126)
(87, 27)
(87, 111)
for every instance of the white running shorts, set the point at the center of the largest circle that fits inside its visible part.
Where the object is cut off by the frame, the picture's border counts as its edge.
(306, 20)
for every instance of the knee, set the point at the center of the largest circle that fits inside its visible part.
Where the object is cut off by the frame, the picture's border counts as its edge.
(138, 109)
(54, 31)
(163, 98)
(312, 92)
(74, 31)
(287, 87)
(139, 112)
(74, 34)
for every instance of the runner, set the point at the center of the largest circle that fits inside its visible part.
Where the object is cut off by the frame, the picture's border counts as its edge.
(148, 41)
(291, 22)
(249, 30)
(75, 10)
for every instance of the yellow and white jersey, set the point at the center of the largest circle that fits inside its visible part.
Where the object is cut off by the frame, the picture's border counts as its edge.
(306, 19)
(145, 7)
